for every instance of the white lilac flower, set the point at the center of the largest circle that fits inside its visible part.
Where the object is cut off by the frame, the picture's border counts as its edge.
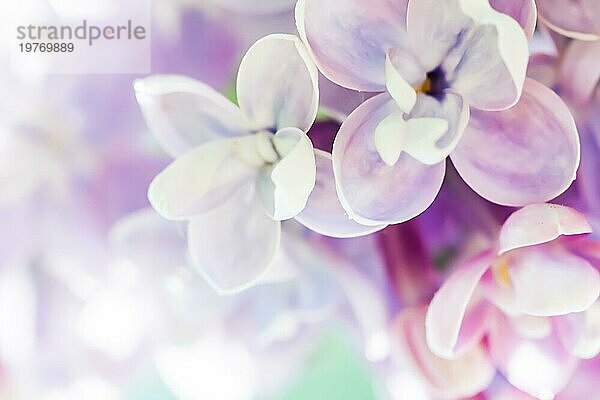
(239, 171)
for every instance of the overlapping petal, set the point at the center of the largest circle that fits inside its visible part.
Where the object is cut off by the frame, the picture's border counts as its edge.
(463, 377)
(403, 73)
(147, 239)
(575, 19)
(277, 84)
(204, 177)
(543, 68)
(234, 244)
(522, 11)
(579, 72)
(447, 309)
(323, 213)
(450, 108)
(372, 192)
(540, 223)
(482, 52)
(523, 155)
(349, 38)
(183, 113)
(548, 280)
(540, 368)
(338, 102)
(580, 332)
(284, 189)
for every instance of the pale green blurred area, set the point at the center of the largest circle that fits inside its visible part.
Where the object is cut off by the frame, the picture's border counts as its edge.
(335, 370)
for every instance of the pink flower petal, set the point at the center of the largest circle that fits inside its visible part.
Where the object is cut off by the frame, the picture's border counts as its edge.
(448, 307)
(527, 154)
(584, 383)
(540, 368)
(372, 192)
(523, 11)
(464, 377)
(580, 332)
(540, 223)
(580, 71)
(549, 281)
(543, 68)
(576, 19)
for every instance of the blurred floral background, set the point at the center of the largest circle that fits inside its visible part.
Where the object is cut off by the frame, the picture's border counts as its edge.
(486, 292)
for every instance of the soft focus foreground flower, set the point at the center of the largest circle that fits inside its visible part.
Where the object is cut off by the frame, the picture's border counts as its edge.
(543, 285)
(455, 81)
(240, 171)
(461, 377)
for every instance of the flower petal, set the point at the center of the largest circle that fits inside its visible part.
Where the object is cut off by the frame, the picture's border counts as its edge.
(349, 38)
(523, 11)
(540, 368)
(286, 189)
(323, 213)
(527, 154)
(579, 71)
(540, 223)
(429, 133)
(447, 309)
(402, 73)
(338, 102)
(580, 332)
(482, 52)
(583, 383)
(460, 378)
(372, 192)
(500, 294)
(454, 111)
(149, 240)
(234, 244)
(575, 19)
(183, 113)
(416, 136)
(543, 68)
(531, 327)
(549, 281)
(277, 84)
(202, 178)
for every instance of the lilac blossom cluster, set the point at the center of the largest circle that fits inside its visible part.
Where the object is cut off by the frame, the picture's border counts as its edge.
(453, 86)
(420, 175)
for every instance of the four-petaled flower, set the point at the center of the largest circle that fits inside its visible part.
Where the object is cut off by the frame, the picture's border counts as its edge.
(239, 171)
(454, 76)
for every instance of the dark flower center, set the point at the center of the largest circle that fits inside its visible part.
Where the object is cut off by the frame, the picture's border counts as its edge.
(435, 83)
